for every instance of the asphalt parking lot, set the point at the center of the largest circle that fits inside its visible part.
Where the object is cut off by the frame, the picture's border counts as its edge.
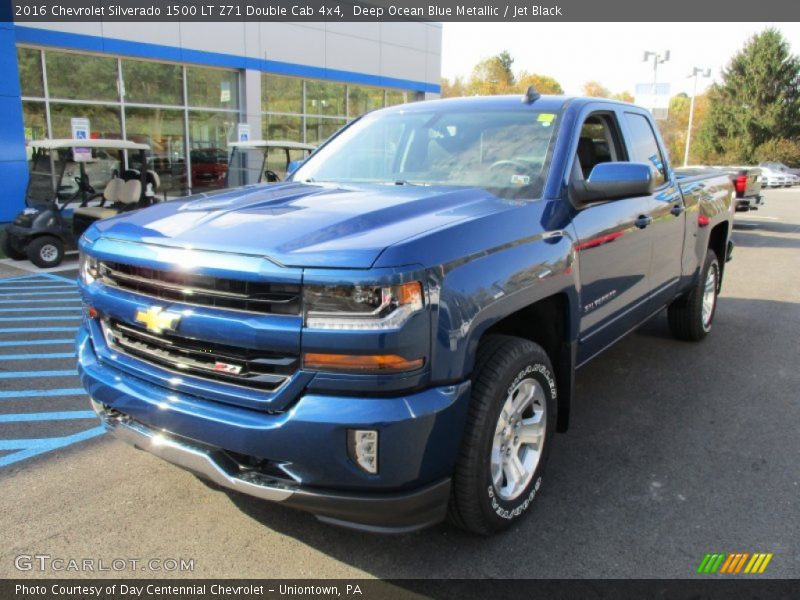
(675, 450)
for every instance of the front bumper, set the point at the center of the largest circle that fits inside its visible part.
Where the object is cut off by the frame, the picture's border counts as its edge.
(305, 446)
(18, 237)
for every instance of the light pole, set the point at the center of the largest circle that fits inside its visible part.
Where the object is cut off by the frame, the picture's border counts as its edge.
(658, 58)
(695, 72)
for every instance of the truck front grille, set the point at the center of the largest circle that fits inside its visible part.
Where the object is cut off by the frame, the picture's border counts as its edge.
(202, 290)
(218, 362)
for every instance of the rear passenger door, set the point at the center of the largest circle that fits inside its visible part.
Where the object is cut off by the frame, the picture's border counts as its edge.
(665, 209)
(613, 249)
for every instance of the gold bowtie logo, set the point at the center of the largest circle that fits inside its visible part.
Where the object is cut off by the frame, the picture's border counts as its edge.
(155, 319)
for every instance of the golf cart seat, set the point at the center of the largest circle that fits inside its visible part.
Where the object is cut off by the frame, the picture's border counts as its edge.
(111, 196)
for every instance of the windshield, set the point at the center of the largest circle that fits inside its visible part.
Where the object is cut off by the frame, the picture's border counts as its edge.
(503, 151)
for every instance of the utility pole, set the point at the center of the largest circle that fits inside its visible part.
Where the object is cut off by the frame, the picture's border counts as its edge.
(695, 72)
(658, 58)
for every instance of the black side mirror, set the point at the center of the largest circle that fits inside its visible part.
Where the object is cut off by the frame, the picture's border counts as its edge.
(614, 180)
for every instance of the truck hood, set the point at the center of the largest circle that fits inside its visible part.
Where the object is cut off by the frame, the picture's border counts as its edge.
(304, 225)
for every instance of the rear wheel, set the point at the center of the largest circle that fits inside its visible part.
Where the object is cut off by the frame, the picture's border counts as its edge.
(690, 318)
(10, 251)
(46, 251)
(507, 439)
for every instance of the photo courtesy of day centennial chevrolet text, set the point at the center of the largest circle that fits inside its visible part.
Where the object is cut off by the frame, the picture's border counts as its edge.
(390, 337)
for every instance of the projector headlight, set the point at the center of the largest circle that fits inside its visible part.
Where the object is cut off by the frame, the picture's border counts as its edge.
(88, 268)
(361, 307)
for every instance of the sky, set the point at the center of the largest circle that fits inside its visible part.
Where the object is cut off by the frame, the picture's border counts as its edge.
(611, 53)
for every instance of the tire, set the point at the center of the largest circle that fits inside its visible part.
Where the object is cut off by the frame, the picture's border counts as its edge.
(484, 497)
(46, 251)
(691, 317)
(9, 250)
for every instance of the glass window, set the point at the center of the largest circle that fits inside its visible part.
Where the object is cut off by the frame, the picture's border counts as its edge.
(29, 62)
(104, 121)
(282, 127)
(318, 129)
(281, 94)
(152, 83)
(504, 152)
(162, 130)
(81, 76)
(212, 88)
(644, 147)
(209, 133)
(325, 98)
(363, 99)
(398, 97)
(35, 121)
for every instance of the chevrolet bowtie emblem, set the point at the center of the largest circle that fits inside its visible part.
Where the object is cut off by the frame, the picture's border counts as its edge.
(155, 319)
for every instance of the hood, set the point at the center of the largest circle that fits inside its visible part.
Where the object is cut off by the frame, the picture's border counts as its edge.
(305, 225)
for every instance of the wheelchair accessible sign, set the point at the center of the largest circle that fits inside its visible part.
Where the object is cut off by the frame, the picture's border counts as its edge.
(80, 131)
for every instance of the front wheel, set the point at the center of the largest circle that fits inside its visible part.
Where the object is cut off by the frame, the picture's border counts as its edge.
(46, 251)
(507, 438)
(690, 317)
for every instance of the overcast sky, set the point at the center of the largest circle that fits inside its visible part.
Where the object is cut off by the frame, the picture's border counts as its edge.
(610, 53)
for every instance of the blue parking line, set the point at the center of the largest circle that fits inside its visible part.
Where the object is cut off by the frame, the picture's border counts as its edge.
(34, 318)
(21, 374)
(37, 356)
(31, 277)
(31, 447)
(66, 415)
(21, 294)
(42, 393)
(4, 289)
(76, 309)
(50, 301)
(6, 343)
(37, 329)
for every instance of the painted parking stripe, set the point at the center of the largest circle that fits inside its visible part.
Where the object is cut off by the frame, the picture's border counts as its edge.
(75, 309)
(37, 356)
(37, 329)
(39, 286)
(53, 300)
(36, 318)
(33, 447)
(5, 394)
(67, 415)
(22, 374)
(26, 294)
(6, 343)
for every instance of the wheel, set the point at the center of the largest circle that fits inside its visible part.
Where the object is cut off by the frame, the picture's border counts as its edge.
(46, 251)
(511, 420)
(10, 251)
(690, 317)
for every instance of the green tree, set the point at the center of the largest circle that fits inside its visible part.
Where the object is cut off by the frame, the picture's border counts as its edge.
(758, 100)
(492, 76)
(544, 84)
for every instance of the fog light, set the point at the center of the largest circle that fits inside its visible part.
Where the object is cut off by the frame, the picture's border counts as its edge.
(362, 445)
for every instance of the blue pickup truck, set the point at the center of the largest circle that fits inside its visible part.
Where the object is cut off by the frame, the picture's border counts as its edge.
(390, 337)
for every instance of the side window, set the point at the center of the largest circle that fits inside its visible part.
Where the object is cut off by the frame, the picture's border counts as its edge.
(644, 147)
(598, 143)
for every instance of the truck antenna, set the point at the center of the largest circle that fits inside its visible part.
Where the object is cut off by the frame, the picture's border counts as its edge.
(531, 95)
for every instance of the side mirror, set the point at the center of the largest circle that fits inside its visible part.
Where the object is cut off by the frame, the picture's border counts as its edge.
(293, 166)
(614, 180)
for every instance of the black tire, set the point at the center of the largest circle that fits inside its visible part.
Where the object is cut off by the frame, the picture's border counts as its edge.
(46, 251)
(685, 315)
(502, 364)
(9, 250)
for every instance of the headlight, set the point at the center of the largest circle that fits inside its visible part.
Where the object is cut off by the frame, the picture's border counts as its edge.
(361, 307)
(87, 268)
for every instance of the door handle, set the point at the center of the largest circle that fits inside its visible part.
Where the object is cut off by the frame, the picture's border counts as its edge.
(643, 221)
(677, 210)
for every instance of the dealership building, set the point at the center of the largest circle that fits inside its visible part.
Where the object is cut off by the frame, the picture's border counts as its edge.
(183, 88)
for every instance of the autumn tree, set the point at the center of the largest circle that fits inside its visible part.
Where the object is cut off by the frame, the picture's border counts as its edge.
(624, 96)
(544, 84)
(492, 76)
(452, 89)
(756, 103)
(595, 89)
(674, 128)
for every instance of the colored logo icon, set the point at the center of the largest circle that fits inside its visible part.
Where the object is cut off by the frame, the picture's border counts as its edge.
(734, 563)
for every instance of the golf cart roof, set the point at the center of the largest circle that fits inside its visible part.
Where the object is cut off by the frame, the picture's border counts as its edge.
(91, 143)
(273, 144)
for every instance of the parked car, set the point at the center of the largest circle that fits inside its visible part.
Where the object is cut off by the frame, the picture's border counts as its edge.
(780, 167)
(773, 179)
(391, 335)
(746, 183)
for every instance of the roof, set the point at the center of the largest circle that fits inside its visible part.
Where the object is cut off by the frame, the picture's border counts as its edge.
(273, 144)
(543, 103)
(91, 143)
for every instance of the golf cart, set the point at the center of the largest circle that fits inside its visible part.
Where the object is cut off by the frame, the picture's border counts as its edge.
(257, 161)
(64, 172)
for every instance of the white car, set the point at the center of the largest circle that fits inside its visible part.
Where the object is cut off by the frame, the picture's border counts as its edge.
(773, 179)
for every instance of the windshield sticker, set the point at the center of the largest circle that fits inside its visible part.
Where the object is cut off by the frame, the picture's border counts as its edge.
(520, 179)
(546, 119)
